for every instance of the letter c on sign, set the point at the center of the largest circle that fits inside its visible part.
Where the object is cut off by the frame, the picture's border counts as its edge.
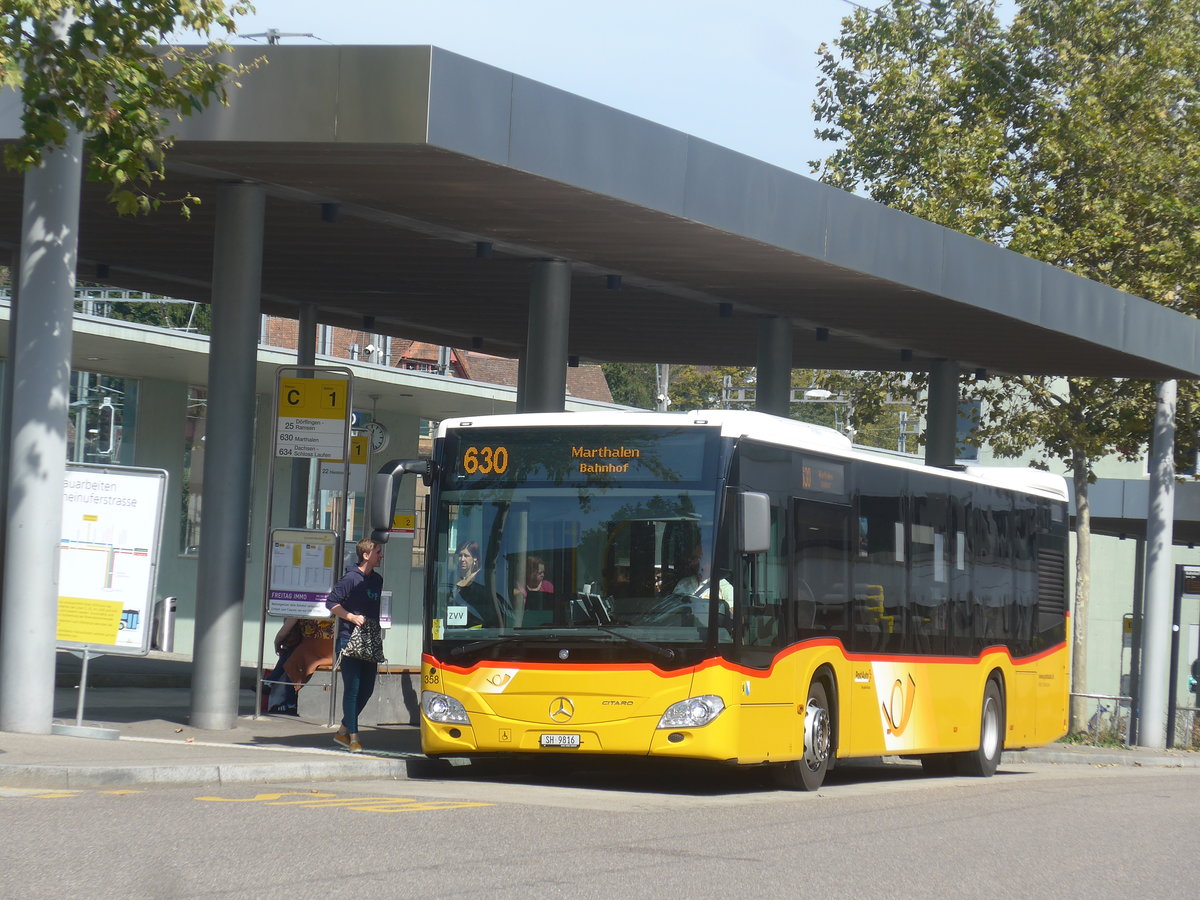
(293, 397)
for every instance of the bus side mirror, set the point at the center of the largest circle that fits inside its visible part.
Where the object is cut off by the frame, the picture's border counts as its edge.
(383, 492)
(755, 522)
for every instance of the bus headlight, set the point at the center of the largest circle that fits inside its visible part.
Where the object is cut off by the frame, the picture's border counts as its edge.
(440, 708)
(693, 712)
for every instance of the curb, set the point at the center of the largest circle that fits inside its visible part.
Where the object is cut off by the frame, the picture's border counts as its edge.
(52, 776)
(1116, 758)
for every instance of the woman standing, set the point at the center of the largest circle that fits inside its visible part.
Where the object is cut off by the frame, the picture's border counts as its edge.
(354, 600)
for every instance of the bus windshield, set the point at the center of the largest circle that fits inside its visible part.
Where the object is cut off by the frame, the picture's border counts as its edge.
(597, 541)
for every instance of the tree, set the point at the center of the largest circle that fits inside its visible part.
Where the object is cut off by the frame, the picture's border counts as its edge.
(631, 384)
(1071, 135)
(163, 313)
(105, 68)
(852, 404)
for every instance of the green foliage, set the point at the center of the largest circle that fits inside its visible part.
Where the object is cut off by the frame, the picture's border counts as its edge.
(857, 404)
(1106, 738)
(700, 387)
(105, 68)
(1071, 135)
(177, 315)
(632, 384)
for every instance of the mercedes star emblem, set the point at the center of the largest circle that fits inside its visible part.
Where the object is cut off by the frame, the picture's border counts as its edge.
(561, 709)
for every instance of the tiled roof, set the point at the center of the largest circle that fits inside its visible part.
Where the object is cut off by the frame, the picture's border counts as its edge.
(586, 381)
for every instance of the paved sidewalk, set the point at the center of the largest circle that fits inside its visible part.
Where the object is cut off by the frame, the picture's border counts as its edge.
(156, 746)
(147, 702)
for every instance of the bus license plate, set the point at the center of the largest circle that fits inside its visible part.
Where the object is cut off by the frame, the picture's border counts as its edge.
(560, 740)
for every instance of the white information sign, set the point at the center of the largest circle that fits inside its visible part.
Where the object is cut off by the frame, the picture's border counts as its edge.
(385, 609)
(332, 472)
(108, 557)
(312, 418)
(303, 572)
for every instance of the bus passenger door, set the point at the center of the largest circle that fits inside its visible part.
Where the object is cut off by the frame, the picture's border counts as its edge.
(760, 593)
(821, 571)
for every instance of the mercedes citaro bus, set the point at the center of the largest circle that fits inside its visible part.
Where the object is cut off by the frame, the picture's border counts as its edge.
(734, 587)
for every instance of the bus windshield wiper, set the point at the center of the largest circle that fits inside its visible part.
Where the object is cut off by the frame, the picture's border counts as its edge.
(664, 652)
(501, 639)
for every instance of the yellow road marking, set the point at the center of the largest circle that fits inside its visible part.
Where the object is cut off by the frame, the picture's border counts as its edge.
(316, 800)
(45, 794)
(259, 798)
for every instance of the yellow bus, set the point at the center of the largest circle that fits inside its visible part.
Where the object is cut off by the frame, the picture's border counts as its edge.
(734, 587)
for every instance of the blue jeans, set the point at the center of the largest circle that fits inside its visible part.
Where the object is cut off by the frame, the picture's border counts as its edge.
(358, 684)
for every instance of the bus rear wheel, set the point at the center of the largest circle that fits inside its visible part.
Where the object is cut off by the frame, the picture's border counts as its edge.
(982, 762)
(808, 772)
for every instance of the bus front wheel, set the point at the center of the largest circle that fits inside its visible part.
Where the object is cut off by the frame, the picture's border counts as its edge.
(982, 763)
(808, 772)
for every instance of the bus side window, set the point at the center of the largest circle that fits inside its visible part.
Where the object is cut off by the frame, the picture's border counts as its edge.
(880, 562)
(822, 593)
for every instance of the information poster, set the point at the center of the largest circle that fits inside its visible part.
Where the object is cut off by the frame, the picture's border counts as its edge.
(108, 557)
(304, 568)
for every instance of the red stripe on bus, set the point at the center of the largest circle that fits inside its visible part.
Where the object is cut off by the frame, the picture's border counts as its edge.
(718, 662)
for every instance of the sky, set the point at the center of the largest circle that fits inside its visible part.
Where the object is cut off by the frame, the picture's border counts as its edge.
(742, 75)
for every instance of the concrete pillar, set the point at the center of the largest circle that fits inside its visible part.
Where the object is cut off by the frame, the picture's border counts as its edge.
(1158, 595)
(228, 460)
(522, 373)
(39, 375)
(545, 358)
(773, 388)
(306, 355)
(941, 418)
(6, 381)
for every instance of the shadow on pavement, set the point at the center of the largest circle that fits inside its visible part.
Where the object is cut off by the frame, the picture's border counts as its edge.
(659, 776)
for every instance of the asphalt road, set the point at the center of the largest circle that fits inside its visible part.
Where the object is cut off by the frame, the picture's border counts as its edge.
(882, 831)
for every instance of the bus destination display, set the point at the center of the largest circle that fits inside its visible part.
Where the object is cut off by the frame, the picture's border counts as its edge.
(542, 456)
(822, 476)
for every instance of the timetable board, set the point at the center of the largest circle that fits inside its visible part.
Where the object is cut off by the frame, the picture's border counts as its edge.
(304, 568)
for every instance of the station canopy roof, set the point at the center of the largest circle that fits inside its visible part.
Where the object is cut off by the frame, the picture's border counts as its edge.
(409, 190)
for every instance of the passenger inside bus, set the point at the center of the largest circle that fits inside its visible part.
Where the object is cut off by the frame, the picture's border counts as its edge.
(535, 578)
(533, 597)
(693, 581)
(469, 592)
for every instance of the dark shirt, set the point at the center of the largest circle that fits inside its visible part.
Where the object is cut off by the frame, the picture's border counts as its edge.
(480, 608)
(358, 594)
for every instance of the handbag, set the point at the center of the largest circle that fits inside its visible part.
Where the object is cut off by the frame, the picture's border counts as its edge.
(366, 642)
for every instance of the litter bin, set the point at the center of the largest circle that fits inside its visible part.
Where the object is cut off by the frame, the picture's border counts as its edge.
(163, 636)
